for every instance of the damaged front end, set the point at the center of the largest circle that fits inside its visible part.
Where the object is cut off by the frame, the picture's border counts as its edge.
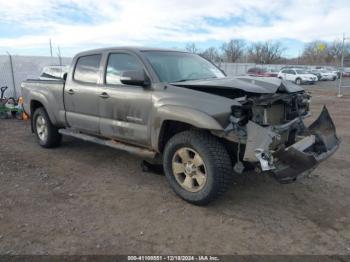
(276, 138)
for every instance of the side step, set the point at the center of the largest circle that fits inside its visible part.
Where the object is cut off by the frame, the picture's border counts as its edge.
(146, 153)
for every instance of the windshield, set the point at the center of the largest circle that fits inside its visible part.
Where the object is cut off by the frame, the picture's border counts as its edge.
(301, 72)
(173, 66)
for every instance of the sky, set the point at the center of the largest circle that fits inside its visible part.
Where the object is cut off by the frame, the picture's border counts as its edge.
(76, 25)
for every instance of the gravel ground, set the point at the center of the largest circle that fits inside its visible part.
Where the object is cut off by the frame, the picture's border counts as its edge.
(83, 198)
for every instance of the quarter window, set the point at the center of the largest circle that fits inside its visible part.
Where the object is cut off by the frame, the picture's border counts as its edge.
(117, 64)
(87, 69)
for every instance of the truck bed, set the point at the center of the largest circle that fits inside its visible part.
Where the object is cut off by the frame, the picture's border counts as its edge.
(49, 93)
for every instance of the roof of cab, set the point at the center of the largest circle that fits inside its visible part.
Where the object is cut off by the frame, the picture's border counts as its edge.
(128, 48)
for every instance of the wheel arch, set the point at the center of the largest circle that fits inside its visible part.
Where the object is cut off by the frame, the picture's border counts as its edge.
(174, 119)
(36, 103)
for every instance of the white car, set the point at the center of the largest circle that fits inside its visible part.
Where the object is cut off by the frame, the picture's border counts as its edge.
(327, 75)
(298, 76)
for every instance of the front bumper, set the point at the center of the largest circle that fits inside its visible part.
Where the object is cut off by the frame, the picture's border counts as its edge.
(308, 81)
(314, 144)
(328, 77)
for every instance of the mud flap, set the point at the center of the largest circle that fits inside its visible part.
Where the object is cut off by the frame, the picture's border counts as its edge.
(318, 142)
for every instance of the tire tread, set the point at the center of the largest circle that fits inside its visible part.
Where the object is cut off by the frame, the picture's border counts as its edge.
(217, 152)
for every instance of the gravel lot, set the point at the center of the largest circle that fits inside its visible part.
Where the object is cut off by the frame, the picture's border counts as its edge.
(83, 198)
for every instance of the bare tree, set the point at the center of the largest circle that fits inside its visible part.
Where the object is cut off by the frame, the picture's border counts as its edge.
(192, 48)
(267, 52)
(315, 52)
(233, 49)
(212, 54)
(334, 51)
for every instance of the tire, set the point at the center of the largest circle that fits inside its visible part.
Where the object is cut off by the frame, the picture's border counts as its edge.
(298, 81)
(216, 167)
(48, 135)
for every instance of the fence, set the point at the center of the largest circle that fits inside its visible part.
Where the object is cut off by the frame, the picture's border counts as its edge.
(24, 67)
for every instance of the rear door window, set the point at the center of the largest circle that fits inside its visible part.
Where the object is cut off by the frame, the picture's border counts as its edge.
(87, 69)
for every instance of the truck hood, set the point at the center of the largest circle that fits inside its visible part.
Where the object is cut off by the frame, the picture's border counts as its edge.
(242, 84)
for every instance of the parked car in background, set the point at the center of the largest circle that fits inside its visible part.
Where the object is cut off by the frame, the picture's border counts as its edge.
(315, 73)
(325, 74)
(272, 72)
(293, 67)
(298, 76)
(259, 71)
(336, 72)
(345, 72)
(328, 75)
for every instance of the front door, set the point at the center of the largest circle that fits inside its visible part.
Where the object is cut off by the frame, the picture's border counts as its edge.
(81, 94)
(124, 109)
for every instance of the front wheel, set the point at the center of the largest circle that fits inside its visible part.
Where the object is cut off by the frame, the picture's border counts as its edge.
(46, 133)
(298, 81)
(197, 166)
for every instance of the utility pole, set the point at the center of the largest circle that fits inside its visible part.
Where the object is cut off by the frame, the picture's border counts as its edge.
(59, 55)
(342, 66)
(50, 47)
(12, 76)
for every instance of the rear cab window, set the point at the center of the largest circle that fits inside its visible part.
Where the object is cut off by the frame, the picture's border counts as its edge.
(87, 69)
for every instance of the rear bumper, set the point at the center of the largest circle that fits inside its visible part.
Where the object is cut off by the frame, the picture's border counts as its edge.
(314, 145)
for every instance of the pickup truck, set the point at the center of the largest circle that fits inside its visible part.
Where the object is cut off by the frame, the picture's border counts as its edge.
(180, 109)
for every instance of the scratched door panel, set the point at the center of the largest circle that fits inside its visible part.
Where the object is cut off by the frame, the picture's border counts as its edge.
(124, 115)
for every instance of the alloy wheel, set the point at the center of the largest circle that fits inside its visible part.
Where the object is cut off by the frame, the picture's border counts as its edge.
(41, 128)
(189, 169)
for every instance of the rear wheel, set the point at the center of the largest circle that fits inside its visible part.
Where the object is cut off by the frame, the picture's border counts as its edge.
(298, 81)
(197, 166)
(46, 133)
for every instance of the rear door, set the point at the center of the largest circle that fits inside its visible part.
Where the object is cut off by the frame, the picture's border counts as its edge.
(292, 75)
(81, 94)
(125, 109)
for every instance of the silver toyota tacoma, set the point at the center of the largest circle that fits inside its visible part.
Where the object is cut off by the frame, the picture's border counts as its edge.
(180, 109)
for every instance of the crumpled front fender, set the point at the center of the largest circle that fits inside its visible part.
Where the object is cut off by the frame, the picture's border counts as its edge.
(315, 144)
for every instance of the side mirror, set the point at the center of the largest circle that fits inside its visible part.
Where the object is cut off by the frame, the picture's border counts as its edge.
(135, 78)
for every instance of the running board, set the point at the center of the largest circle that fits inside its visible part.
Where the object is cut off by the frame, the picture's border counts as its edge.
(146, 153)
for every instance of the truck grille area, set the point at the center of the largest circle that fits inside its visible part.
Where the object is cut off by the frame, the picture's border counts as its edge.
(279, 110)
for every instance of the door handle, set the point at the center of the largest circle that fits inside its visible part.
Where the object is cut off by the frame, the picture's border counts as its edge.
(70, 91)
(104, 95)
